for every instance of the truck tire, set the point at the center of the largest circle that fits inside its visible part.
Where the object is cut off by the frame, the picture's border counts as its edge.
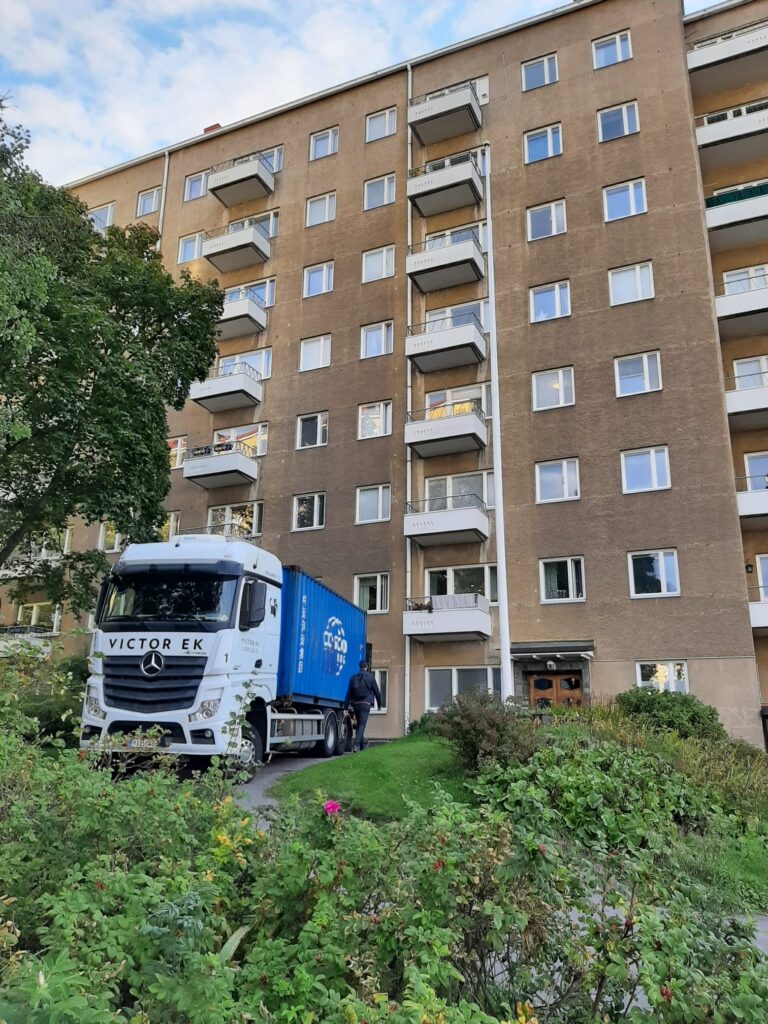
(326, 747)
(343, 733)
(249, 758)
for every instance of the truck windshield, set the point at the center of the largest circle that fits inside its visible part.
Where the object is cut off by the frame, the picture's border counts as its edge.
(190, 600)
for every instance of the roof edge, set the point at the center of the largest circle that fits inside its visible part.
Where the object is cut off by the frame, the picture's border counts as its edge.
(725, 5)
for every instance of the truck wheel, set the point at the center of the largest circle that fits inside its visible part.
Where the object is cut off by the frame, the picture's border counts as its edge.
(341, 734)
(250, 756)
(326, 747)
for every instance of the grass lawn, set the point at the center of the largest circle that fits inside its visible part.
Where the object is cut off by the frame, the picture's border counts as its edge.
(376, 781)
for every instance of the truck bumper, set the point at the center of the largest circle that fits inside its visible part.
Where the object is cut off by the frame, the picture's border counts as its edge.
(120, 732)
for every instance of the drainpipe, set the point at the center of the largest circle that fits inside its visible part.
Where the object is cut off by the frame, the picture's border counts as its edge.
(507, 683)
(408, 406)
(163, 193)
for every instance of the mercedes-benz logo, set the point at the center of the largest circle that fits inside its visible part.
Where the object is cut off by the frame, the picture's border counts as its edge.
(152, 664)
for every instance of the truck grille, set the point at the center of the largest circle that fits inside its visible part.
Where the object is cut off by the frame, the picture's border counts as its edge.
(172, 732)
(175, 687)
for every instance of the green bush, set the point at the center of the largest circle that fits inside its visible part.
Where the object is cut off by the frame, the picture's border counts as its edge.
(672, 712)
(480, 727)
(424, 726)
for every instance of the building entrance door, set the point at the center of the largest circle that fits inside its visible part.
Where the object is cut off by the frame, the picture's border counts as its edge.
(555, 688)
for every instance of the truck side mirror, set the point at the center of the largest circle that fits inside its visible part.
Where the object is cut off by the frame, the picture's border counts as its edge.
(253, 606)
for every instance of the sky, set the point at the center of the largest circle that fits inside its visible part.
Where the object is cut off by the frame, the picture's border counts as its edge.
(99, 82)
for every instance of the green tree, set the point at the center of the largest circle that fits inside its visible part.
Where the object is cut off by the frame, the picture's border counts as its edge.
(97, 340)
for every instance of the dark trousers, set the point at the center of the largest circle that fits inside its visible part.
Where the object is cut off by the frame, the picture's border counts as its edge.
(361, 713)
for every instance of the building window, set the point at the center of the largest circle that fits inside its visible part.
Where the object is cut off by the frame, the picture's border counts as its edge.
(190, 247)
(631, 284)
(615, 122)
(462, 490)
(170, 527)
(373, 503)
(756, 464)
(39, 613)
(671, 676)
(244, 520)
(374, 420)
(638, 374)
(259, 359)
(148, 201)
(539, 72)
(268, 223)
(750, 373)
(321, 209)
(314, 353)
(611, 50)
(312, 430)
(557, 481)
(252, 435)
(378, 263)
(102, 217)
(645, 469)
(379, 192)
(463, 579)
(195, 186)
(260, 291)
(561, 579)
(550, 301)
(318, 279)
(324, 143)
(653, 574)
(547, 220)
(466, 233)
(381, 124)
(273, 158)
(177, 450)
(443, 684)
(746, 280)
(553, 389)
(309, 511)
(110, 540)
(543, 143)
(376, 340)
(372, 593)
(625, 200)
(458, 316)
(459, 400)
(382, 678)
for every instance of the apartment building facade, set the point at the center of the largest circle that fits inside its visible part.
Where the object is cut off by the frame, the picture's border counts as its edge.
(494, 356)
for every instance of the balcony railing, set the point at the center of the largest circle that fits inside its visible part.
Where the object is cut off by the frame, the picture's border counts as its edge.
(731, 113)
(246, 292)
(441, 602)
(230, 369)
(736, 195)
(758, 593)
(233, 530)
(443, 241)
(468, 157)
(756, 482)
(746, 381)
(437, 93)
(757, 283)
(235, 226)
(445, 323)
(257, 157)
(455, 501)
(441, 412)
(221, 448)
(725, 36)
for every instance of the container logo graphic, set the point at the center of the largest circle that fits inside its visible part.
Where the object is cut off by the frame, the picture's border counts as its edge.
(335, 647)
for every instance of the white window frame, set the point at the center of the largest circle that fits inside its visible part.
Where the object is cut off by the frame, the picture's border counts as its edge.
(489, 568)
(324, 341)
(384, 503)
(117, 546)
(203, 175)
(548, 80)
(446, 236)
(387, 331)
(435, 316)
(757, 273)
(571, 560)
(638, 268)
(623, 107)
(385, 414)
(762, 373)
(454, 670)
(332, 135)
(659, 553)
(265, 284)
(488, 486)
(651, 452)
(273, 157)
(565, 467)
(230, 435)
(243, 358)
(560, 388)
(390, 123)
(173, 522)
(199, 238)
(614, 37)
(389, 191)
(750, 475)
(557, 287)
(462, 393)
(328, 201)
(34, 618)
(155, 194)
(179, 450)
(316, 518)
(257, 516)
(382, 678)
(387, 255)
(646, 374)
(382, 588)
(549, 131)
(670, 664)
(109, 219)
(268, 222)
(322, 429)
(630, 186)
(556, 209)
(327, 271)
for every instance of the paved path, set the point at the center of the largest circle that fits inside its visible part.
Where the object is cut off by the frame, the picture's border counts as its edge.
(254, 794)
(761, 934)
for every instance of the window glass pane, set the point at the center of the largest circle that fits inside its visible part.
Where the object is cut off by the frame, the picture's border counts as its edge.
(439, 685)
(662, 467)
(631, 113)
(618, 202)
(646, 573)
(556, 581)
(544, 304)
(308, 432)
(577, 569)
(671, 583)
(437, 580)
(612, 124)
(623, 286)
(382, 679)
(470, 680)
(469, 580)
(368, 590)
(368, 504)
(748, 373)
(654, 379)
(637, 471)
(550, 482)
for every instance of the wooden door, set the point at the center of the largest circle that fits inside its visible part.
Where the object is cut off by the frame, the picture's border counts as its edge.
(546, 689)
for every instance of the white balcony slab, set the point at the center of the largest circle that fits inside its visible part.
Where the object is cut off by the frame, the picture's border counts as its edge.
(463, 345)
(739, 224)
(730, 62)
(242, 316)
(446, 266)
(233, 390)
(732, 141)
(235, 250)
(452, 187)
(445, 116)
(452, 618)
(446, 435)
(742, 314)
(242, 182)
(753, 509)
(18, 640)
(447, 526)
(758, 616)
(748, 408)
(221, 469)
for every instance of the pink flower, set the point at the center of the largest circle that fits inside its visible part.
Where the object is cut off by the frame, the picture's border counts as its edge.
(331, 807)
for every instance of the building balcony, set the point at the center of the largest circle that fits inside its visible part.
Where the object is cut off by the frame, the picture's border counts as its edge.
(733, 136)
(445, 113)
(450, 183)
(746, 399)
(443, 262)
(231, 387)
(447, 429)
(728, 61)
(742, 307)
(460, 519)
(752, 497)
(758, 610)
(447, 618)
(736, 218)
(237, 247)
(244, 313)
(241, 180)
(442, 344)
(229, 464)
(19, 639)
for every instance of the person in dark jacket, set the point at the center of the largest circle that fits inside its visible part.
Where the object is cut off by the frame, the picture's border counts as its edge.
(362, 691)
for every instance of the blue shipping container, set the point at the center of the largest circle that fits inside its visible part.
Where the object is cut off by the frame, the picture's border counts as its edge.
(322, 641)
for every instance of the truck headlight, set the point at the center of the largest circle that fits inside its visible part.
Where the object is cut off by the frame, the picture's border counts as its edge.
(93, 707)
(208, 709)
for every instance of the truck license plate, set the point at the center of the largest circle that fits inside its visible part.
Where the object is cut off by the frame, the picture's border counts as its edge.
(144, 743)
